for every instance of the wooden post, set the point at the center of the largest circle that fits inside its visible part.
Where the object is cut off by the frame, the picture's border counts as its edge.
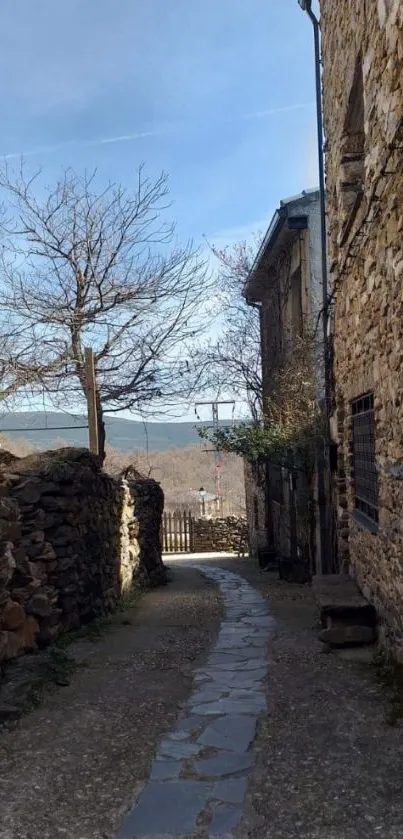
(165, 535)
(185, 531)
(170, 549)
(91, 400)
(191, 532)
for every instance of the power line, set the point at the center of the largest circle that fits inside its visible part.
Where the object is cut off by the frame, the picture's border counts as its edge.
(214, 405)
(48, 428)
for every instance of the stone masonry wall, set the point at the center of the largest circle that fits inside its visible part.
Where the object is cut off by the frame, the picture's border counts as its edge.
(211, 535)
(147, 499)
(255, 484)
(363, 103)
(73, 539)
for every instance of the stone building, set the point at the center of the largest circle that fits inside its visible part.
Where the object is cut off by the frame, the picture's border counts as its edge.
(203, 506)
(362, 43)
(256, 508)
(286, 283)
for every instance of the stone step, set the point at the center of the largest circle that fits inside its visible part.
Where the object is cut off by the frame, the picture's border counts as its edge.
(338, 597)
(344, 635)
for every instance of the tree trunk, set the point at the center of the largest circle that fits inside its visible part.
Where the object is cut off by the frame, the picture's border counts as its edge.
(101, 428)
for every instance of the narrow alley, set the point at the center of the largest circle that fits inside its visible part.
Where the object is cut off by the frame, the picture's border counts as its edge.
(214, 712)
(201, 431)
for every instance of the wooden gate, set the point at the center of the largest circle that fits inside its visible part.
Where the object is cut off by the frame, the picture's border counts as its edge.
(177, 532)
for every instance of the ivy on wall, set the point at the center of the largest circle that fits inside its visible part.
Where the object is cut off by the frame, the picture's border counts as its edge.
(291, 428)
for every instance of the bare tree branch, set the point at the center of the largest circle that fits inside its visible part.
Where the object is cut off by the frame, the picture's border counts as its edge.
(102, 268)
(232, 364)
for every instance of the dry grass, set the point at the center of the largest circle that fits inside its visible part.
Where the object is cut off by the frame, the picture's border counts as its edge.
(178, 471)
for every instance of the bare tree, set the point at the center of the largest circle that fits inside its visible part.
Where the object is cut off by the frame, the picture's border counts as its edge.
(21, 369)
(83, 266)
(232, 363)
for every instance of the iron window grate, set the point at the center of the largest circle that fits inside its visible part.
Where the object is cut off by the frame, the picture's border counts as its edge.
(364, 464)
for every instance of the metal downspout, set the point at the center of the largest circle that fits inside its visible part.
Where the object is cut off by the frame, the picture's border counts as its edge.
(323, 457)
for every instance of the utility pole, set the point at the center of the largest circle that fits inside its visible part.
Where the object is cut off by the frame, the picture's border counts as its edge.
(214, 405)
(91, 400)
(202, 495)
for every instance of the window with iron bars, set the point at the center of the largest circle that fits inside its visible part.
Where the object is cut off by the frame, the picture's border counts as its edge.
(364, 465)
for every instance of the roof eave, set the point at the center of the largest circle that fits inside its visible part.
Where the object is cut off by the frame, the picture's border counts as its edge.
(250, 291)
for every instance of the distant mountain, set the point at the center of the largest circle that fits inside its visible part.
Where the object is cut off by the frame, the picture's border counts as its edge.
(44, 429)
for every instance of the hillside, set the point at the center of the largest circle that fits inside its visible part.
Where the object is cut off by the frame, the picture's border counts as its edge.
(180, 471)
(44, 430)
(178, 466)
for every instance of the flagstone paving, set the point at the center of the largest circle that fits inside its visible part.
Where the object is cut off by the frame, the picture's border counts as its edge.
(328, 765)
(199, 778)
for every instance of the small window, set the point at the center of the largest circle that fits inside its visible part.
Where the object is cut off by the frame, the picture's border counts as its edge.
(364, 464)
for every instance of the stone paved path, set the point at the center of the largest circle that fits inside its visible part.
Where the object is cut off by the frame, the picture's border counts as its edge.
(199, 778)
(72, 768)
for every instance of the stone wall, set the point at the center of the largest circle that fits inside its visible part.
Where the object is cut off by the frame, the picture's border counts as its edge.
(363, 103)
(213, 535)
(73, 539)
(287, 281)
(255, 498)
(147, 499)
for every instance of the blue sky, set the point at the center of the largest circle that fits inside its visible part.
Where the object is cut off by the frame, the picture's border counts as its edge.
(218, 93)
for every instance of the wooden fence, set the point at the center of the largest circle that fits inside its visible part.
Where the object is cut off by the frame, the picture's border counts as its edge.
(177, 532)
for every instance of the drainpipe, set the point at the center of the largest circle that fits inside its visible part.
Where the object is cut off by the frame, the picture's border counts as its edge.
(323, 463)
(306, 5)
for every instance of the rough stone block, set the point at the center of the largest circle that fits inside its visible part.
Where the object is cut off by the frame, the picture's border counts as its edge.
(224, 820)
(27, 634)
(28, 491)
(13, 615)
(338, 595)
(8, 509)
(165, 770)
(347, 636)
(39, 605)
(166, 808)
(11, 644)
(224, 765)
(231, 790)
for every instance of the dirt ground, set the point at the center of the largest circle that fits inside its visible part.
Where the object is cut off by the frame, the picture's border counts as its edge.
(329, 766)
(72, 767)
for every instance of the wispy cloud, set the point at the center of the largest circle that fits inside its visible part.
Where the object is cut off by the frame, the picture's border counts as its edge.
(103, 141)
(140, 135)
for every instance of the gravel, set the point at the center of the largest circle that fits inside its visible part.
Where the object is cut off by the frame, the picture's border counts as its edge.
(72, 768)
(329, 766)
